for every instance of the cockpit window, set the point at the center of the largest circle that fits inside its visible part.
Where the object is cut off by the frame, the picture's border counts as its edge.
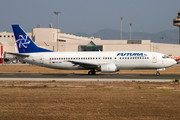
(165, 56)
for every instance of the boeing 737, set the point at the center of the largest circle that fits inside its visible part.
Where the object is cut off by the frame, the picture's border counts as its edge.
(105, 62)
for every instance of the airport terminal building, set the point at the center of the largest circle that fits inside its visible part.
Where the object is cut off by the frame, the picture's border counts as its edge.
(47, 38)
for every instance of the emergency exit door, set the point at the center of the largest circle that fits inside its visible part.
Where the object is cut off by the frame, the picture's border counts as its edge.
(41, 59)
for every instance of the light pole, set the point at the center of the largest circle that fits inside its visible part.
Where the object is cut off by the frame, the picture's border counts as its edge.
(57, 13)
(161, 38)
(130, 30)
(121, 27)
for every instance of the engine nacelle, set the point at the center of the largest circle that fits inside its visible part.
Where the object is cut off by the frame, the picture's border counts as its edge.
(108, 68)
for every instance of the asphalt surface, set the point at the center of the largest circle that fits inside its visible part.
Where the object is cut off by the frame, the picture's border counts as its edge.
(85, 77)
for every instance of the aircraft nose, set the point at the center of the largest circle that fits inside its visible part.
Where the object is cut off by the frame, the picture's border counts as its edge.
(174, 62)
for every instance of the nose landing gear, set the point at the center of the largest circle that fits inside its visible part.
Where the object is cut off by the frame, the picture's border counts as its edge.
(157, 74)
(161, 69)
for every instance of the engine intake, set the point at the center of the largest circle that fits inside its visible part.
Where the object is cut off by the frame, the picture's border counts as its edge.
(108, 68)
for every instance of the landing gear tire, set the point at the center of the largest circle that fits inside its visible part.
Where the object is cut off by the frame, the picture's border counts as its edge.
(92, 72)
(158, 74)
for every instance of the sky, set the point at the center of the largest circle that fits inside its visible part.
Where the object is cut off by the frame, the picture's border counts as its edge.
(89, 16)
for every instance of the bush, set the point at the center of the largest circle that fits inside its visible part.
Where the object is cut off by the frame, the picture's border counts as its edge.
(176, 80)
(45, 85)
(139, 86)
(12, 85)
(165, 90)
(53, 80)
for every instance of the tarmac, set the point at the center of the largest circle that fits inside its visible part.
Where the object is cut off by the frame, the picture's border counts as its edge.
(85, 77)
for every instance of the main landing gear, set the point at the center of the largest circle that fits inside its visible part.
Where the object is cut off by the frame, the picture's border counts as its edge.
(92, 72)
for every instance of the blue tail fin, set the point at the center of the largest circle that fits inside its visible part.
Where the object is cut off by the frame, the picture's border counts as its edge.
(24, 43)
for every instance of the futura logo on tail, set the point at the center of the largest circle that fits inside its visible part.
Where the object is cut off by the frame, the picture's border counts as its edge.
(23, 41)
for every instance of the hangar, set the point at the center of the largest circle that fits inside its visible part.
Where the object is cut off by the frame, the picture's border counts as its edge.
(47, 38)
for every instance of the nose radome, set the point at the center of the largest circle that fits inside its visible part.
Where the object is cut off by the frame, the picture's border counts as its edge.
(174, 62)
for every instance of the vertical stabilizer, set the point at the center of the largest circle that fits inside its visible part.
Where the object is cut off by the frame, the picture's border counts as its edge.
(24, 43)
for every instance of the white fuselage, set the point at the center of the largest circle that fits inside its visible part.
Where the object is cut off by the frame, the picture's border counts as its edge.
(122, 59)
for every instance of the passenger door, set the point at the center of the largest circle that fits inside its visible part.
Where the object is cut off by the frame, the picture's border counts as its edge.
(154, 58)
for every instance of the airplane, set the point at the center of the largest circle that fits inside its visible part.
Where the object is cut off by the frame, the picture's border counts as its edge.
(106, 62)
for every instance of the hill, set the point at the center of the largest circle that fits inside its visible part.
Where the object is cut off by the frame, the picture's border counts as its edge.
(170, 36)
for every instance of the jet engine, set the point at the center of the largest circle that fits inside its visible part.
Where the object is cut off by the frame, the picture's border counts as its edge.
(106, 68)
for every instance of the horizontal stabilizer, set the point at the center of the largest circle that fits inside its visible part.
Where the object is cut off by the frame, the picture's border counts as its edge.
(18, 54)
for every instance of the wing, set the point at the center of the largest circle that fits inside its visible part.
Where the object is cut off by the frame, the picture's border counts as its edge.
(85, 64)
(18, 54)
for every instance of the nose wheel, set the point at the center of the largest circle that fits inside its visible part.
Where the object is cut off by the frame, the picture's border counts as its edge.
(158, 74)
(92, 72)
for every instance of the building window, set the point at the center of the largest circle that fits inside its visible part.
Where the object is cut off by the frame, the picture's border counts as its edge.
(90, 47)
